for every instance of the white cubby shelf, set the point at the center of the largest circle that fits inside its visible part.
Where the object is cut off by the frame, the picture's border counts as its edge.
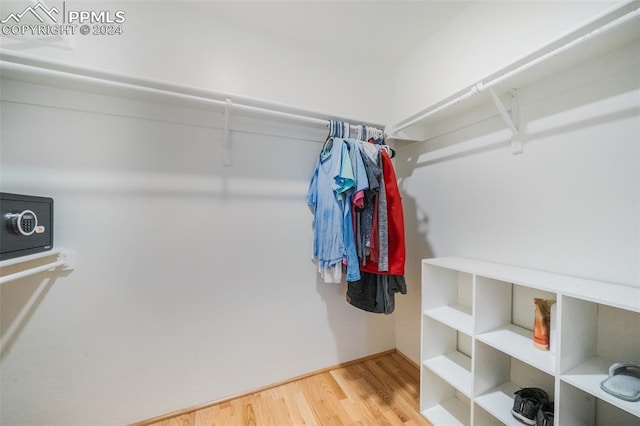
(477, 346)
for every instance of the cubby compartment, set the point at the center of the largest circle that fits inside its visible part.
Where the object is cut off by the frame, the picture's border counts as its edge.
(504, 320)
(443, 404)
(447, 353)
(450, 297)
(579, 408)
(483, 418)
(594, 336)
(498, 376)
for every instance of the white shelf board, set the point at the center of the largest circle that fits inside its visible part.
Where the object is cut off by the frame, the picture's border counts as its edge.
(499, 401)
(21, 267)
(457, 316)
(518, 342)
(452, 412)
(18, 66)
(30, 257)
(454, 368)
(616, 295)
(588, 377)
(588, 41)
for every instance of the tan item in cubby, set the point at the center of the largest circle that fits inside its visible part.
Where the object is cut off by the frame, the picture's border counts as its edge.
(542, 323)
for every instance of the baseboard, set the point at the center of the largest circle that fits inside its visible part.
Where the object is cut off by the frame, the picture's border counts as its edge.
(264, 388)
(409, 360)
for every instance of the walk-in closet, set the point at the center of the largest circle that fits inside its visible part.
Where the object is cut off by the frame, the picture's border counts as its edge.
(319, 212)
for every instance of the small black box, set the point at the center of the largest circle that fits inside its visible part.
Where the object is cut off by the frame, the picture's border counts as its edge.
(27, 225)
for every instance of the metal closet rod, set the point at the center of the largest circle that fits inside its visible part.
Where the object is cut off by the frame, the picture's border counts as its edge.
(30, 65)
(596, 27)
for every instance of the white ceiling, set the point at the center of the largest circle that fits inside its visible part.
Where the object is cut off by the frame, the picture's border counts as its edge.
(388, 30)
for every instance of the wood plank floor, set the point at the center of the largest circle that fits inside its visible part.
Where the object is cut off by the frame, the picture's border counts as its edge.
(378, 391)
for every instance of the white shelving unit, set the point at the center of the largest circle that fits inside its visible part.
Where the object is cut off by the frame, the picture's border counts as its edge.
(477, 346)
(24, 266)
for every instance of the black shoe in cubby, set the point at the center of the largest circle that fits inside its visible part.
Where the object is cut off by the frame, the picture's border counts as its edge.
(544, 416)
(526, 404)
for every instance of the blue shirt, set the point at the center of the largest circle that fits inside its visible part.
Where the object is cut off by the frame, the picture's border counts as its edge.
(332, 177)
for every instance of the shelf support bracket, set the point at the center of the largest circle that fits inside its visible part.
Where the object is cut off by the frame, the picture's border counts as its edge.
(226, 143)
(511, 120)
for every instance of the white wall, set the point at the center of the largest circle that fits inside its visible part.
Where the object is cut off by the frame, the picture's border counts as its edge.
(569, 204)
(481, 39)
(204, 44)
(194, 280)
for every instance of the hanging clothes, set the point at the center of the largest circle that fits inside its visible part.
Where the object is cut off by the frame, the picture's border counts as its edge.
(365, 214)
(358, 220)
(376, 293)
(396, 251)
(332, 177)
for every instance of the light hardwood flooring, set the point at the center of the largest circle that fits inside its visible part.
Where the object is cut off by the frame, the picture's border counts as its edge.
(376, 391)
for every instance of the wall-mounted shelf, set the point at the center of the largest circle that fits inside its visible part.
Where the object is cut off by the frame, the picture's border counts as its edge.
(24, 266)
(616, 28)
(473, 383)
(25, 68)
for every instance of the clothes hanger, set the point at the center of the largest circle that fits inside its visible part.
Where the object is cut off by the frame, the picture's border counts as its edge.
(346, 130)
(328, 143)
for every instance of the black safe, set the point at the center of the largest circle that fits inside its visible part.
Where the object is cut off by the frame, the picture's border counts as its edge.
(27, 225)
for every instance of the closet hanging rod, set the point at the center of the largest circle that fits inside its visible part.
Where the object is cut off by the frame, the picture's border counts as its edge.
(65, 260)
(596, 27)
(26, 66)
(32, 271)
